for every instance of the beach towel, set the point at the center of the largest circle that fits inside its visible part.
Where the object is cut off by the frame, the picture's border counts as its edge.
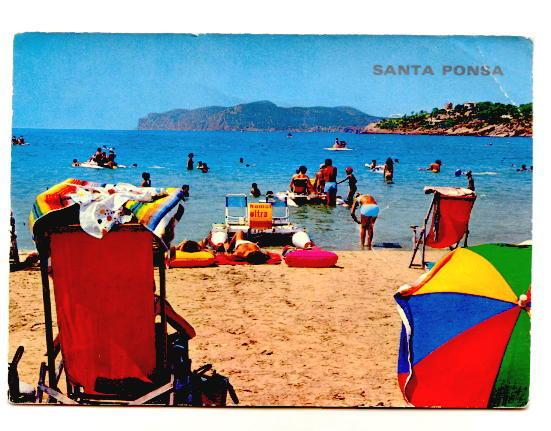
(101, 206)
(224, 259)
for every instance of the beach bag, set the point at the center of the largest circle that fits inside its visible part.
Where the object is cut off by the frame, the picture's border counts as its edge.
(211, 390)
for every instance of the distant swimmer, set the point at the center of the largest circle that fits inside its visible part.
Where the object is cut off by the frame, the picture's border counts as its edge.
(458, 173)
(185, 190)
(388, 171)
(190, 162)
(329, 177)
(146, 179)
(369, 211)
(300, 182)
(352, 185)
(241, 160)
(433, 167)
(470, 180)
(522, 168)
(205, 168)
(75, 162)
(255, 191)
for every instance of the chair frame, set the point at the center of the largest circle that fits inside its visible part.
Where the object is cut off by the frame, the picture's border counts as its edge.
(50, 373)
(419, 241)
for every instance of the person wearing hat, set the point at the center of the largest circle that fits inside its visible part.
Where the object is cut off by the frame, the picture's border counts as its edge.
(352, 187)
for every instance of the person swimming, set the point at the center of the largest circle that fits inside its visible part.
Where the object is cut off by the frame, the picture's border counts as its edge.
(300, 182)
(190, 162)
(433, 167)
(75, 162)
(369, 211)
(255, 191)
(146, 179)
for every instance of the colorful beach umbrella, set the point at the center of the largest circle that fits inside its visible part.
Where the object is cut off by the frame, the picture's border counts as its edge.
(465, 338)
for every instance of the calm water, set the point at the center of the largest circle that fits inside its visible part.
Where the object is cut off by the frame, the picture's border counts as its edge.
(502, 211)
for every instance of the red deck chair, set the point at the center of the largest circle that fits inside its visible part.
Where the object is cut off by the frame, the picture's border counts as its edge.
(449, 215)
(105, 302)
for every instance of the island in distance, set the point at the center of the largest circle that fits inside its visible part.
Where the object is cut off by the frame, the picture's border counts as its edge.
(260, 116)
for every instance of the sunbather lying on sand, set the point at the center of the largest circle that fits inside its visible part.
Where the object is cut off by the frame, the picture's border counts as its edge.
(241, 249)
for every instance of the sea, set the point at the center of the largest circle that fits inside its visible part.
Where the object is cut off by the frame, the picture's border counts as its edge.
(502, 212)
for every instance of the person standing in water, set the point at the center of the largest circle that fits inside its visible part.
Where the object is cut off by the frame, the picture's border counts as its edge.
(470, 180)
(352, 187)
(146, 179)
(329, 177)
(255, 191)
(369, 211)
(190, 162)
(388, 171)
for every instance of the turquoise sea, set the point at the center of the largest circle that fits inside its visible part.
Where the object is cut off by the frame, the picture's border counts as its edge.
(502, 212)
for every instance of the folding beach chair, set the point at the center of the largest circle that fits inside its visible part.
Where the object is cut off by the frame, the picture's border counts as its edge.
(449, 215)
(236, 209)
(280, 210)
(111, 313)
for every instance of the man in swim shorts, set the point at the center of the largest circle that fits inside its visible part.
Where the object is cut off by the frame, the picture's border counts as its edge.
(329, 177)
(369, 211)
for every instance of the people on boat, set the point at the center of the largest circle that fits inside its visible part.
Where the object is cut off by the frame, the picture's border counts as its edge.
(110, 162)
(96, 157)
(14, 140)
(388, 170)
(369, 211)
(470, 180)
(21, 140)
(300, 182)
(373, 164)
(190, 162)
(319, 184)
(241, 249)
(339, 144)
(146, 179)
(205, 168)
(329, 176)
(352, 185)
(255, 191)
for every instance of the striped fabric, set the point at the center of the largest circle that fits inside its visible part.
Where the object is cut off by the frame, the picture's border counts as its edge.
(155, 215)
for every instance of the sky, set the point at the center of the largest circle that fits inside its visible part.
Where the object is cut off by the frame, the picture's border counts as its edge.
(109, 81)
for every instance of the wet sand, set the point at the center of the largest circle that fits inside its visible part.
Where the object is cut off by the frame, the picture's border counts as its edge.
(285, 336)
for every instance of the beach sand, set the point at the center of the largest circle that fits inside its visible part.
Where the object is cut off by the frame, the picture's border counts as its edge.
(285, 336)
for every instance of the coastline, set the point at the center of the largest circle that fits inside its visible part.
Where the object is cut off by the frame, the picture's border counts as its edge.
(285, 336)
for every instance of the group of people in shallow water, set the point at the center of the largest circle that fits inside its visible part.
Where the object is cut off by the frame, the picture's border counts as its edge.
(202, 166)
(17, 141)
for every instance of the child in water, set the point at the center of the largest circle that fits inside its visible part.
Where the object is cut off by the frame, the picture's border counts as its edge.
(352, 187)
(255, 191)
(146, 179)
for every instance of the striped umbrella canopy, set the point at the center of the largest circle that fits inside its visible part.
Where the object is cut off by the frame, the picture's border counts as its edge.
(465, 338)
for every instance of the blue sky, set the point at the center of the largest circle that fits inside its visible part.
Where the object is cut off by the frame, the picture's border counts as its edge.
(103, 81)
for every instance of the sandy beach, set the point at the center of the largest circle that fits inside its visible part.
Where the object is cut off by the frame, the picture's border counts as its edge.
(285, 336)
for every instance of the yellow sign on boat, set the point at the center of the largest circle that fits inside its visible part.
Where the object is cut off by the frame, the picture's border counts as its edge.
(260, 215)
